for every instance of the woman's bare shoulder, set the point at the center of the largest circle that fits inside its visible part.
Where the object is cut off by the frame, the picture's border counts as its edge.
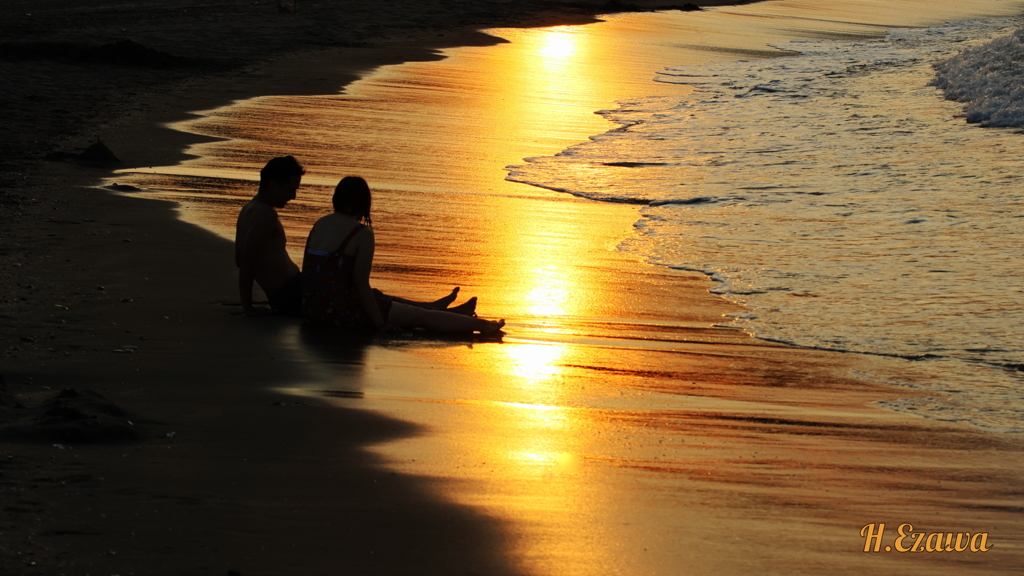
(330, 231)
(363, 236)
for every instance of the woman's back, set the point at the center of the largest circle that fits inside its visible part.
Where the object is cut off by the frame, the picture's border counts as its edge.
(330, 291)
(331, 231)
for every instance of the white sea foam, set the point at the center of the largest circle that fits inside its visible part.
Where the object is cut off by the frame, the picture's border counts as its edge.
(989, 79)
(842, 199)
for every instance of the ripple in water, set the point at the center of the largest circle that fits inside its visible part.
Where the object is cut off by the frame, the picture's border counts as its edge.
(841, 198)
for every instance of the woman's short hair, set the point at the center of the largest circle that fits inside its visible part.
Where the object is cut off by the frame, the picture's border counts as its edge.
(352, 197)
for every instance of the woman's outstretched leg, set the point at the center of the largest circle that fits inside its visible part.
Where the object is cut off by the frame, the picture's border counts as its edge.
(407, 316)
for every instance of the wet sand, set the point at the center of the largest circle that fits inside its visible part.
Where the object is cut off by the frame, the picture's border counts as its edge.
(628, 436)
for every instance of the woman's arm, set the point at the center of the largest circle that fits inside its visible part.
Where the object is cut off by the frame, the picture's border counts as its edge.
(364, 244)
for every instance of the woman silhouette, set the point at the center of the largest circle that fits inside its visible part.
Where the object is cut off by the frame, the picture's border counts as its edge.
(336, 275)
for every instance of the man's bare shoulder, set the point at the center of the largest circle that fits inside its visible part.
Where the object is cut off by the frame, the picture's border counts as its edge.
(255, 210)
(256, 214)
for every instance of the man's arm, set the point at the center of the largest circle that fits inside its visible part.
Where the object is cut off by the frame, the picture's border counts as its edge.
(248, 252)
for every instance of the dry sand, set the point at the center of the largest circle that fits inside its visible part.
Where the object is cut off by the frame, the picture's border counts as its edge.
(193, 461)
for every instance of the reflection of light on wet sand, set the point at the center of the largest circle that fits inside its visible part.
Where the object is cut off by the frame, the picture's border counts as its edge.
(533, 407)
(541, 449)
(535, 363)
(538, 368)
(543, 430)
(540, 443)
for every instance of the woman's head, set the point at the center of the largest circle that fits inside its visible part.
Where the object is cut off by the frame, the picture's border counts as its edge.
(352, 197)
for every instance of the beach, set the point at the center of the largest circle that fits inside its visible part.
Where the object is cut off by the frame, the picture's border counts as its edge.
(621, 426)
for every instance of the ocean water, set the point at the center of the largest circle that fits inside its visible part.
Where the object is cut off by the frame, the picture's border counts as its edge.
(841, 194)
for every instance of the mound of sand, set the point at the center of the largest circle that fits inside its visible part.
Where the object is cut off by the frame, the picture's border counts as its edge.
(69, 417)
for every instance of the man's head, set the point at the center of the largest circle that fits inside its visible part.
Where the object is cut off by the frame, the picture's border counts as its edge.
(279, 180)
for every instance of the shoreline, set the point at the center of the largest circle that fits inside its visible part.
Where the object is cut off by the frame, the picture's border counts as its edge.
(225, 455)
(46, 50)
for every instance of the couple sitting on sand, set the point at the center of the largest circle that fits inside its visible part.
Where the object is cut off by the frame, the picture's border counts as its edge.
(334, 284)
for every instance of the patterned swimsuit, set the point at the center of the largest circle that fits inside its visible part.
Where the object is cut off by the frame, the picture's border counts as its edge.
(329, 294)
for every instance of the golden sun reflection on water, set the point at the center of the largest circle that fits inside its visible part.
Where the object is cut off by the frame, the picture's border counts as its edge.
(548, 292)
(557, 44)
(535, 363)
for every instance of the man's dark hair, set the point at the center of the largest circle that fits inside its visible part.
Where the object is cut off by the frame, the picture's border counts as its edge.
(281, 170)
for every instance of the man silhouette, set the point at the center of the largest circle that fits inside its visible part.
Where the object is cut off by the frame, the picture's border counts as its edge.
(260, 252)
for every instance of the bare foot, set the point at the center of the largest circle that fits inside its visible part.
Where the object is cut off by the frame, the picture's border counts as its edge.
(492, 326)
(443, 303)
(467, 308)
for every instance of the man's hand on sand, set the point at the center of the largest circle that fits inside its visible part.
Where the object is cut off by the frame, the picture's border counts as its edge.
(392, 330)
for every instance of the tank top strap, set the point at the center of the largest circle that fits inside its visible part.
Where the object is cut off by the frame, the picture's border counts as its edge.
(344, 243)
